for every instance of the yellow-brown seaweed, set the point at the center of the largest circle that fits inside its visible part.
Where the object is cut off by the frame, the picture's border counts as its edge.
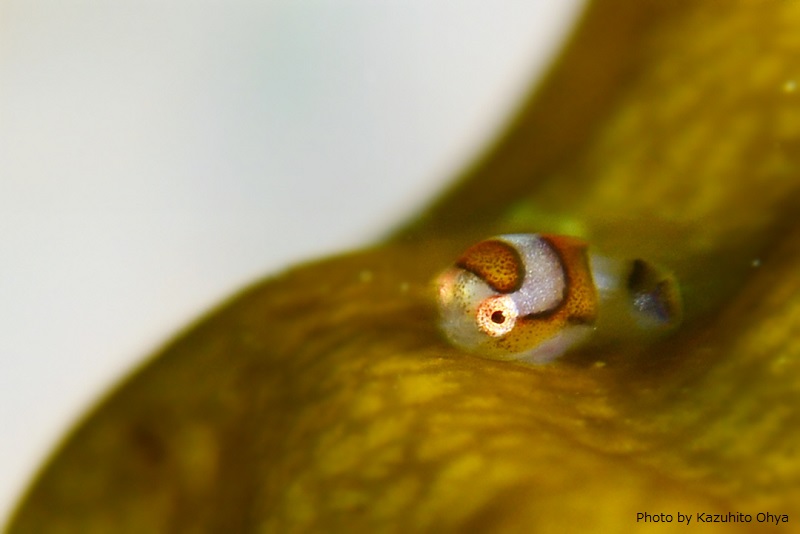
(324, 400)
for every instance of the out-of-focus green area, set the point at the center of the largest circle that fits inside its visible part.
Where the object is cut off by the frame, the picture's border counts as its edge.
(325, 400)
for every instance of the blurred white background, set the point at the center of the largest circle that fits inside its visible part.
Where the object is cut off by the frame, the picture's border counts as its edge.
(155, 156)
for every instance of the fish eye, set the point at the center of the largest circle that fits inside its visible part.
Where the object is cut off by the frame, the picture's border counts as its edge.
(497, 315)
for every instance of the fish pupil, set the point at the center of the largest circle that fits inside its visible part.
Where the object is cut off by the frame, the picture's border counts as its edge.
(498, 317)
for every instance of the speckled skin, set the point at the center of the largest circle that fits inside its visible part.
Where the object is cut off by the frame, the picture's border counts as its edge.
(326, 401)
(499, 269)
